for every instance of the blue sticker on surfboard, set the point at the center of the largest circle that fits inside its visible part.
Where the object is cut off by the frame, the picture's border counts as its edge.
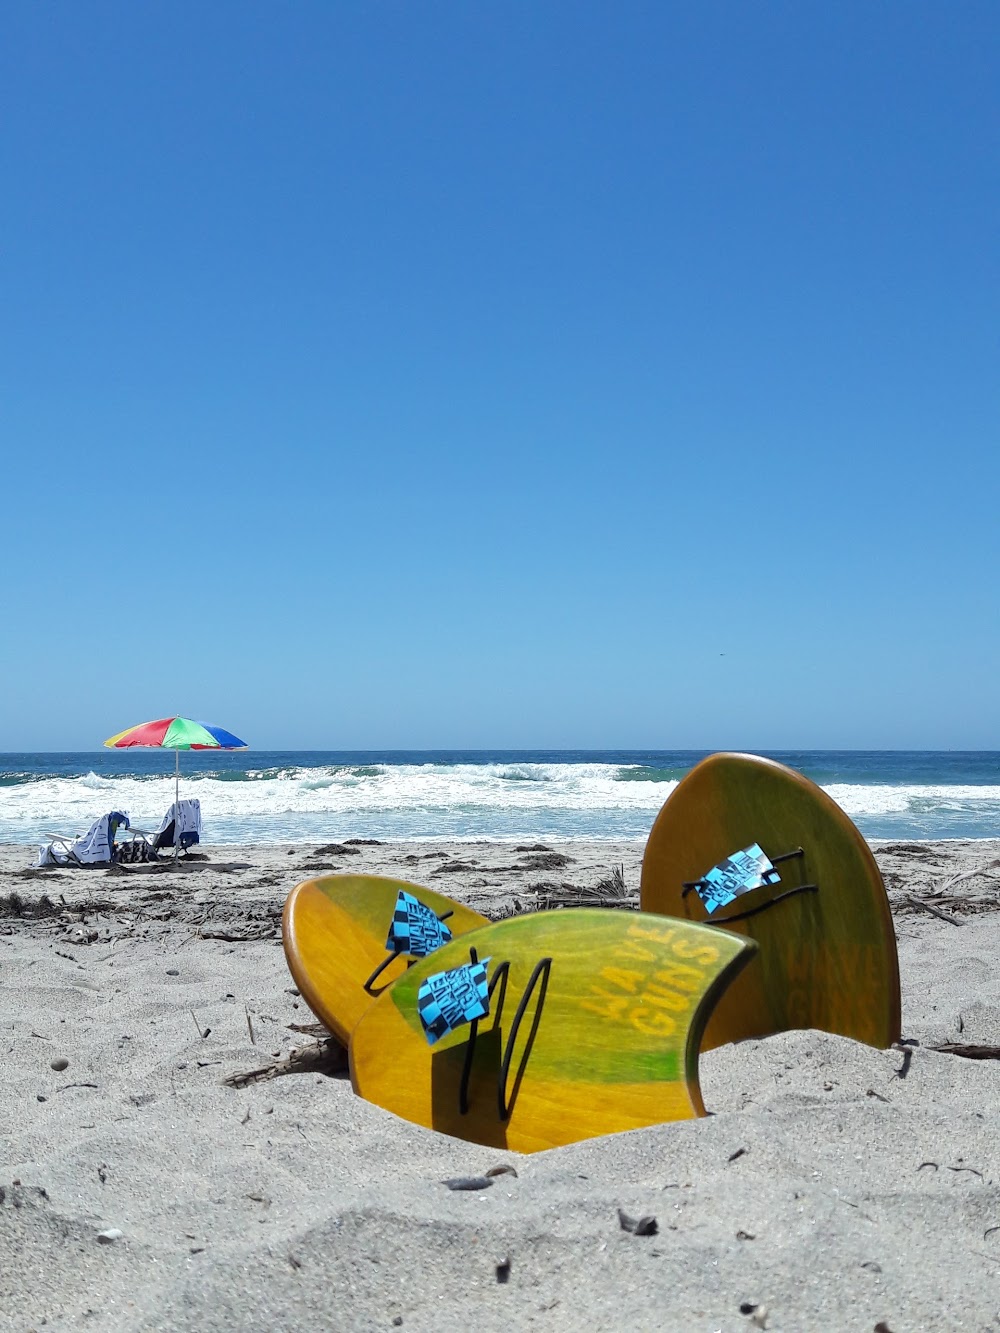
(446, 1000)
(739, 873)
(414, 928)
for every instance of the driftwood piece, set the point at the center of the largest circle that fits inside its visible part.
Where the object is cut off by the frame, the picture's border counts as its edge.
(320, 1057)
(934, 911)
(967, 1051)
(949, 884)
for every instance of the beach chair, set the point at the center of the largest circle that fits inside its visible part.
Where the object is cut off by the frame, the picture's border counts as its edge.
(95, 848)
(181, 827)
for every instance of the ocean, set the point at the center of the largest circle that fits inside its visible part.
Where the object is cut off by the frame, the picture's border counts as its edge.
(314, 796)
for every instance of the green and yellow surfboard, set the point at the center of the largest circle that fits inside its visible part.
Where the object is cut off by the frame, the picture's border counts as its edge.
(593, 1026)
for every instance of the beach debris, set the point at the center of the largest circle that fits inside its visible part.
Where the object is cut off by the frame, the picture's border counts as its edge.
(882, 1327)
(326, 1056)
(971, 1170)
(295, 1263)
(934, 911)
(611, 891)
(102, 1173)
(82, 935)
(733, 1156)
(253, 1039)
(109, 1236)
(502, 1170)
(202, 1033)
(173, 972)
(546, 861)
(984, 869)
(503, 1271)
(59, 1064)
(468, 1182)
(638, 1226)
(872, 1093)
(236, 936)
(745, 1235)
(967, 1051)
(397, 1321)
(40, 1098)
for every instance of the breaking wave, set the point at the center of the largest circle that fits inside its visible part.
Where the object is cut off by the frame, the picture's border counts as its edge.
(303, 802)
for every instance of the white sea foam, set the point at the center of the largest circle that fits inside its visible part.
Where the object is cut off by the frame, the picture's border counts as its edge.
(502, 800)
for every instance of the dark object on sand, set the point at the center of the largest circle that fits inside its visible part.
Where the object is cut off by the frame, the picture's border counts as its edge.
(967, 1052)
(638, 1226)
(468, 1183)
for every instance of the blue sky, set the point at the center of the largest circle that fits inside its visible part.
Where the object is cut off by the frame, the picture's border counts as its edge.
(505, 374)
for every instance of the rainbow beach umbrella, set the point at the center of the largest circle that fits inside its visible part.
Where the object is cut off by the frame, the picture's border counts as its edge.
(176, 733)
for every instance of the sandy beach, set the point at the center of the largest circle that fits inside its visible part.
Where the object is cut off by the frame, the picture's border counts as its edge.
(832, 1187)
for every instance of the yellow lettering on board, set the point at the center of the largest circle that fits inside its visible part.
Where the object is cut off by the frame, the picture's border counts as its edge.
(698, 953)
(656, 1024)
(623, 978)
(660, 936)
(606, 1006)
(636, 952)
(681, 975)
(666, 999)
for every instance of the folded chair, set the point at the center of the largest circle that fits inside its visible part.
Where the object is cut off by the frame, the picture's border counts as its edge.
(95, 848)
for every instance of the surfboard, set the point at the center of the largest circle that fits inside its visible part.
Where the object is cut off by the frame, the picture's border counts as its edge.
(336, 933)
(593, 1024)
(827, 955)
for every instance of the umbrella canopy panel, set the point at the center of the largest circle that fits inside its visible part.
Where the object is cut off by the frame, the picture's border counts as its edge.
(176, 733)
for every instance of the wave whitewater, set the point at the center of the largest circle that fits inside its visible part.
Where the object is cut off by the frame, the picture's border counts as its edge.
(409, 801)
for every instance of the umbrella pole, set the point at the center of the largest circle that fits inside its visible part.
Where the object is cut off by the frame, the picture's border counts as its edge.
(177, 802)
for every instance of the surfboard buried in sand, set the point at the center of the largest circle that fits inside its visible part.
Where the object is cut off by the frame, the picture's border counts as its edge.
(348, 937)
(592, 1025)
(750, 845)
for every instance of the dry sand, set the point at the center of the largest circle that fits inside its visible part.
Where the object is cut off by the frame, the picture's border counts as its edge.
(838, 1186)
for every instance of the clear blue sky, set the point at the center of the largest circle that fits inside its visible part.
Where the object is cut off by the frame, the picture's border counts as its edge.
(501, 374)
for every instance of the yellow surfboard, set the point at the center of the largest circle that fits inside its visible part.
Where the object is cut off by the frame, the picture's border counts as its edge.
(827, 956)
(593, 1026)
(336, 932)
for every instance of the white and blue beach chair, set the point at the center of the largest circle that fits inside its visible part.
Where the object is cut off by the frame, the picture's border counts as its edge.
(95, 848)
(181, 827)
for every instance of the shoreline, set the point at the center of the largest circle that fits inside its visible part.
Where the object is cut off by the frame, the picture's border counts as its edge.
(292, 1203)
